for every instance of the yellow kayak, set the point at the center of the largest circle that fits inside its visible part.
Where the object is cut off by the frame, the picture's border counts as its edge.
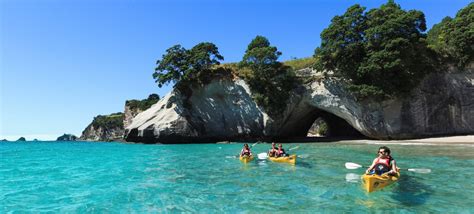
(376, 182)
(246, 159)
(290, 159)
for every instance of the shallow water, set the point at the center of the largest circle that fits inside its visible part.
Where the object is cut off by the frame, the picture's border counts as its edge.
(114, 177)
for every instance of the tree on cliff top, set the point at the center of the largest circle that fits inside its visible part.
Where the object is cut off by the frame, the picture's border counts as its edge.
(143, 104)
(453, 39)
(269, 80)
(381, 52)
(186, 67)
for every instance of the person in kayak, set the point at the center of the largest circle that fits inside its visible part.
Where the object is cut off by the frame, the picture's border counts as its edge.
(272, 151)
(384, 163)
(245, 151)
(280, 152)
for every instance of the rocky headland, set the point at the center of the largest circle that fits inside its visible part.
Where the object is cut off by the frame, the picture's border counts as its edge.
(111, 127)
(376, 74)
(443, 104)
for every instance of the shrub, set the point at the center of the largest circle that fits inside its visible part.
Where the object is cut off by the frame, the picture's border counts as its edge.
(453, 39)
(143, 104)
(381, 52)
(270, 80)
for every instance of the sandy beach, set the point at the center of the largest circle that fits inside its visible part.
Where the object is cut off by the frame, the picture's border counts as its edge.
(452, 140)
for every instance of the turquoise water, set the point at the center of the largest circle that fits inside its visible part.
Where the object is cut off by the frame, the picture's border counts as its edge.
(113, 177)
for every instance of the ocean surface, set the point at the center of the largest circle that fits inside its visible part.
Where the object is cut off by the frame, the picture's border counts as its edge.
(82, 177)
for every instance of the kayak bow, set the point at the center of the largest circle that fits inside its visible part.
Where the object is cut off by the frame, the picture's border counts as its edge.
(246, 159)
(376, 182)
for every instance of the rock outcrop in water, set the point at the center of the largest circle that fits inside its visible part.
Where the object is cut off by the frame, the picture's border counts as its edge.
(443, 104)
(66, 137)
(104, 128)
(21, 139)
(111, 127)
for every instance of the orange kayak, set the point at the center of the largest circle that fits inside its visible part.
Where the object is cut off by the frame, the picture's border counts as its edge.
(289, 159)
(376, 182)
(246, 159)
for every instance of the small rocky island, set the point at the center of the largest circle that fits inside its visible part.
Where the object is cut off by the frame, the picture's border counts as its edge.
(66, 137)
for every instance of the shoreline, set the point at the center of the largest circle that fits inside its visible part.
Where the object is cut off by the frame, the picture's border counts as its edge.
(451, 140)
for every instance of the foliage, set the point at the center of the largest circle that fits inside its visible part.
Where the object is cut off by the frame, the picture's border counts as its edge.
(323, 129)
(270, 80)
(297, 64)
(186, 67)
(381, 52)
(143, 104)
(114, 120)
(453, 39)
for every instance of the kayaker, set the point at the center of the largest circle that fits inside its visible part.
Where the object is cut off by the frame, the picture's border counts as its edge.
(245, 151)
(272, 151)
(384, 163)
(280, 152)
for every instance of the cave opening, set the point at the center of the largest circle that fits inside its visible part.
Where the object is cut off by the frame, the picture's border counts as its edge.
(317, 123)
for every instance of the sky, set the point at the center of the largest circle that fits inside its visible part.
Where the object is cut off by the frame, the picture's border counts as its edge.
(62, 62)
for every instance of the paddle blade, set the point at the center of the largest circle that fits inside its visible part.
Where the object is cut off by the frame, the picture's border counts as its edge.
(425, 171)
(262, 156)
(303, 156)
(294, 148)
(350, 165)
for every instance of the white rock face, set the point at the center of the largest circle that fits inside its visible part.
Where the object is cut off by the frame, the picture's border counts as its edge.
(443, 104)
(222, 109)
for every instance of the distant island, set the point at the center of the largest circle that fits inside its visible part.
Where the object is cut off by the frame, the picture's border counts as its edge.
(66, 137)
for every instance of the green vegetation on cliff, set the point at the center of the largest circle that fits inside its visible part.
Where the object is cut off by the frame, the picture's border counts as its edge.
(453, 38)
(188, 68)
(381, 52)
(111, 121)
(270, 80)
(297, 64)
(144, 104)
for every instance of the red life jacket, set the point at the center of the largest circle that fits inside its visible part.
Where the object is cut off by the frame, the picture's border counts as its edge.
(387, 162)
(245, 151)
(383, 165)
(280, 152)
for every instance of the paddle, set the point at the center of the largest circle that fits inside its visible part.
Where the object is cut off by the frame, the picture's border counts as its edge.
(254, 144)
(350, 165)
(293, 148)
(262, 156)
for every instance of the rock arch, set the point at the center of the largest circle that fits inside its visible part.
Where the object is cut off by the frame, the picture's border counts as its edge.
(300, 123)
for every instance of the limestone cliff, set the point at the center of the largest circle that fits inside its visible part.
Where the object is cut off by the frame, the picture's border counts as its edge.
(134, 107)
(443, 104)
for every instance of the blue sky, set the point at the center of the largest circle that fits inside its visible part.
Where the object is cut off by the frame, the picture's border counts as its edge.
(64, 62)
